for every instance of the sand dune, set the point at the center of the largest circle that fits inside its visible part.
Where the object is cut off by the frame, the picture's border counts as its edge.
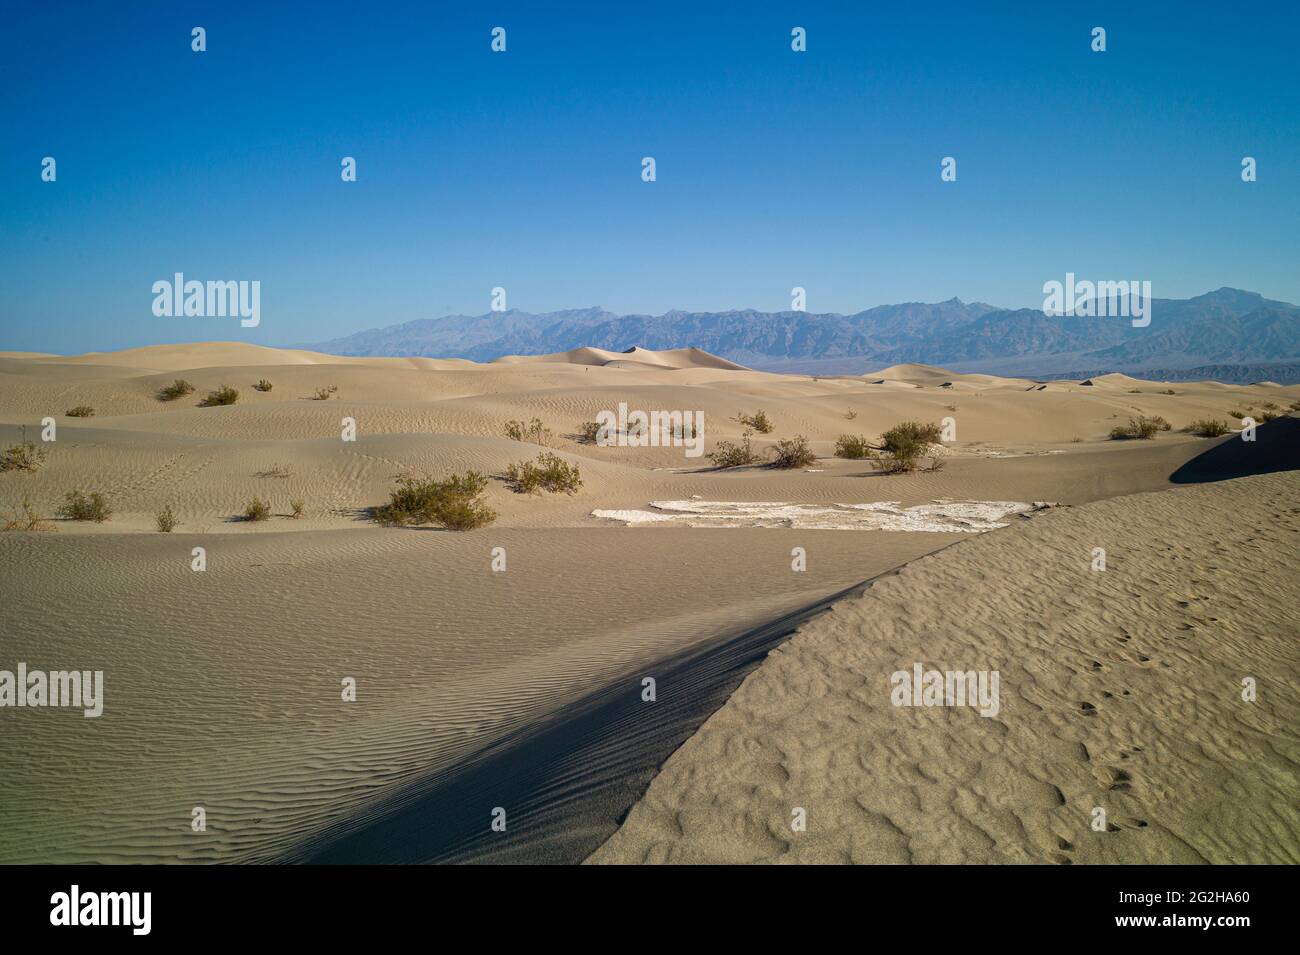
(223, 686)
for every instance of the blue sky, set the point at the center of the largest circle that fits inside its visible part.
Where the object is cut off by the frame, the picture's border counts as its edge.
(522, 169)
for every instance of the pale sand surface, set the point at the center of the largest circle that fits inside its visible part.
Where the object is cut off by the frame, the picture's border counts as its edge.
(1119, 689)
(223, 687)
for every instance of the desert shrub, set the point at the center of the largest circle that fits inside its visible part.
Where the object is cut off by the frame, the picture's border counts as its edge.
(588, 431)
(892, 463)
(1265, 416)
(455, 502)
(792, 453)
(177, 389)
(166, 520)
(758, 421)
(728, 454)
(77, 506)
(1271, 405)
(23, 456)
(850, 414)
(263, 385)
(533, 431)
(1169, 391)
(225, 395)
(276, 470)
(1208, 428)
(325, 393)
(936, 464)
(909, 438)
(26, 519)
(1236, 413)
(296, 507)
(853, 446)
(80, 411)
(1295, 406)
(1139, 427)
(257, 510)
(952, 408)
(548, 473)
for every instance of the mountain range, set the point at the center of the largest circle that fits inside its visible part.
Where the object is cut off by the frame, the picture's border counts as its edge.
(1239, 335)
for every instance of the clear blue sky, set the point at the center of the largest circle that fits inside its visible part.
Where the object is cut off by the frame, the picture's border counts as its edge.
(522, 169)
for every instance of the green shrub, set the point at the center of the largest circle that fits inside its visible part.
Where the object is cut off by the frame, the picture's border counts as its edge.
(548, 473)
(263, 385)
(166, 520)
(792, 453)
(177, 389)
(225, 395)
(80, 411)
(454, 502)
(852, 446)
(728, 454)
(588, 432)
(1140, 427)
(77, 506)
(1208, 428)
(758, 421)
(534, 431)
(257, 510)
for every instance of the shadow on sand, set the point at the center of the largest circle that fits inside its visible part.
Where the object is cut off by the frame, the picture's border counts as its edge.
(566, 783)
(1276, 448)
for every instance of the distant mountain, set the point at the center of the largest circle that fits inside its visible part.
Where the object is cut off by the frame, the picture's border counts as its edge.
(1227, 328)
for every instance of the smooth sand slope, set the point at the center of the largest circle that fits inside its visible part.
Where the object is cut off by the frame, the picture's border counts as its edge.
(223, 687)
(1119, 689)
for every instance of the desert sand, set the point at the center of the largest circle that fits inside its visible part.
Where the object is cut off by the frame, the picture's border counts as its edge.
(222, 688)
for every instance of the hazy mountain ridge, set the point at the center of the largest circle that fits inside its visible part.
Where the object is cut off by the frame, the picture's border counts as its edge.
(1227, 328)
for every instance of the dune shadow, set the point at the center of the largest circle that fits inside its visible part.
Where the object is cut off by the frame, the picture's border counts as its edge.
(1276, 448)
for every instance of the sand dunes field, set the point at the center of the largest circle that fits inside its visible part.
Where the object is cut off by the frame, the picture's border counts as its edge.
(222, 688)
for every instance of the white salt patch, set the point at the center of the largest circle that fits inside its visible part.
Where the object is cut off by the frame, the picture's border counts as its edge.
(961, 517)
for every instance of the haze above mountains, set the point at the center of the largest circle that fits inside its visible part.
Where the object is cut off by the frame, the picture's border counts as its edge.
(1228, 334)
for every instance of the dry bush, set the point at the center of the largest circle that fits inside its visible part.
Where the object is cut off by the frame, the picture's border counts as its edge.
(533, 431)
(257, 510)
(166, 520)
(850, 414)
(548, 473)
(26, 519)
(325, 393)
(80, 411)
(296, 508)
(792, 453)
(177, 389)
(263, 385)
(225, 395)
(276, 471)
(23, 456)
(758, 421)
(588, 432)
(1140, 427)
(728, 454)
(455, 502)
(77, 506)
(1208, 428)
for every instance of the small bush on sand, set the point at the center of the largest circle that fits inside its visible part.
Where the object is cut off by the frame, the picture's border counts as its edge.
(80, 411)
(852, 446)
(1236, 413)
(77, 506)
(1169, 391)
(26, 519)
(729, 454)
(758, 421)
(533, 431)
(23, 456)
(1265, 416)
(455, 502)
(903, 445)
(1208, 428)
(177, 389)
(296, 508)
(850, 414)
(263, 385)
(792, 453)
(588, 432)
(257, 510)
(225, 395)
(1140, 427)
(325, 393)
(548, 473)
(166, 519)
(1294, 406)
(276, 470)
